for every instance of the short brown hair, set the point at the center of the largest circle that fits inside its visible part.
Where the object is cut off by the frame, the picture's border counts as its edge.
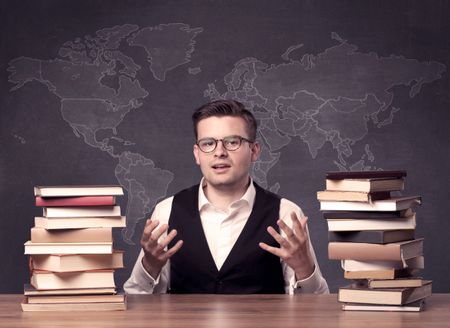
(226, 108)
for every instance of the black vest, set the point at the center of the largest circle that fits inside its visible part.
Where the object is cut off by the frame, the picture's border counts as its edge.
(248, 269)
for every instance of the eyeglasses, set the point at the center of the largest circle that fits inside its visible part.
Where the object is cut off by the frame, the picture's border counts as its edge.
(231, 143)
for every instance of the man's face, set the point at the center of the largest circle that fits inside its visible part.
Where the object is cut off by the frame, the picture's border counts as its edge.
(221, 168)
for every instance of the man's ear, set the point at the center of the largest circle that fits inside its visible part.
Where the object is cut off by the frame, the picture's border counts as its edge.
(256, 151)
(195, 151)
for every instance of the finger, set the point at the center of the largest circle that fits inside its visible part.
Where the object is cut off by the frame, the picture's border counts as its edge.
(288, 231)
(166, 241)
(173, 250)
(159, 232)
(298, 226)
(274, 250)
(280, 240)
(150, 225)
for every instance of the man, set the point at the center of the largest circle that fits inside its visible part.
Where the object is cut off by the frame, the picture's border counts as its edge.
(227, 234)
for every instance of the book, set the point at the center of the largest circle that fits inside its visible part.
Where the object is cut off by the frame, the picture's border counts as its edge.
(68, 248)
(365, 185)
(395, 283)
(81, 211)
(69, 280)
(367, 214)
(352, 196)
(77, 262)
(29, 290)
(76, 223)
(75, 201)
(339, 175)
(81, 190)
(354, 265)
(58, 299)
(392, 204)
(40, 235)
(411, 307)
(371, 236)
(379, 274)
(377, 252)
(407, 223)
(394, 296)
(69, 307)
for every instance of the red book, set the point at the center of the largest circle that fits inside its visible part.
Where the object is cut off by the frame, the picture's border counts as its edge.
(76, 201)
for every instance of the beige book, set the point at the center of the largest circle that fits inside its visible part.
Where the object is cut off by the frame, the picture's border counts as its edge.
(77, 223)
(379, 274)
(71, 307)
(81, 211)
(411, 307)
(365, 185)
(351, 196)
(77, 262)
(406, 223)
(391, 204)
(58, 299)
(354, 265)
(71, 191)
(29, 290)
(397, 296)
(68, 248)
(41, 235)
(69, 280)
(399, 251)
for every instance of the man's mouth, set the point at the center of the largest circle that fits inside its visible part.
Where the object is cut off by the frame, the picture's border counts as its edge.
(220, 166)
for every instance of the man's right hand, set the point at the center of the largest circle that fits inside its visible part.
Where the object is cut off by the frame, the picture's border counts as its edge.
(155, 255)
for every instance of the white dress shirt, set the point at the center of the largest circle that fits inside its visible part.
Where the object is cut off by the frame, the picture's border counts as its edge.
(222, 228)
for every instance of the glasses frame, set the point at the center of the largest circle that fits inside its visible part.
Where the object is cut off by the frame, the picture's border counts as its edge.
(216, 142)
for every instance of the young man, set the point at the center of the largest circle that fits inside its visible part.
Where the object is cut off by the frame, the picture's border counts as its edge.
(227, 234)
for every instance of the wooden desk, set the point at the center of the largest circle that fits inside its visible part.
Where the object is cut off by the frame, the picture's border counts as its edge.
(252, 311)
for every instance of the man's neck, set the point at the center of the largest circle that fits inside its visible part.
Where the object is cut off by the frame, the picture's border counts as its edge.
(222, 196)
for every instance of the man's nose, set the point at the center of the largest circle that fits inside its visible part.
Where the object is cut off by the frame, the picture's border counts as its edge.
(220, 150)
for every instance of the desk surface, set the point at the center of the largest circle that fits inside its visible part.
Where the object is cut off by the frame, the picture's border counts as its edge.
(253, 311)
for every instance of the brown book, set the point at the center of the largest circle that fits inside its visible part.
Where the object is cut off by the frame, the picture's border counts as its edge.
(394, 296)
(375, 252)
(396, 283)
(40, 235)
(352, 196)
(379, 274)
(75, 201)
(77, 262)
(69, 280)
(371, 236)
(77, 223)
(411, 307)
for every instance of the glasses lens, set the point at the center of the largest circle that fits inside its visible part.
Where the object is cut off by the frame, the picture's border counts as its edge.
(207, 145)
(232, 142)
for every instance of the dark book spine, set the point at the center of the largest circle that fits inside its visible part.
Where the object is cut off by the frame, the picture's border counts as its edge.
(362, 214)
(337, 175)
(371, 236)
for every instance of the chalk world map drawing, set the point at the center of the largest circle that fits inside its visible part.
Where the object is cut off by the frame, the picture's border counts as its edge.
(325, 98)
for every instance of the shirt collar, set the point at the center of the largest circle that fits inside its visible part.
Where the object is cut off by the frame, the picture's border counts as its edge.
(247, 199)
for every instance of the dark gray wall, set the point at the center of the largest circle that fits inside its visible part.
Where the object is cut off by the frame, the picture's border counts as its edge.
(337, 85)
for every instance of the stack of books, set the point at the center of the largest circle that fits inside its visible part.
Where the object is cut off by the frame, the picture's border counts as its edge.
(373, 234)
(72, 260)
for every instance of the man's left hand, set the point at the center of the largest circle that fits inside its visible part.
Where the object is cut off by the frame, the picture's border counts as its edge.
(294, 249)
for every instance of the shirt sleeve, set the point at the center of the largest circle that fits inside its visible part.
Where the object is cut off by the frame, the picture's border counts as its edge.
(315, 283)
(140, 281)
